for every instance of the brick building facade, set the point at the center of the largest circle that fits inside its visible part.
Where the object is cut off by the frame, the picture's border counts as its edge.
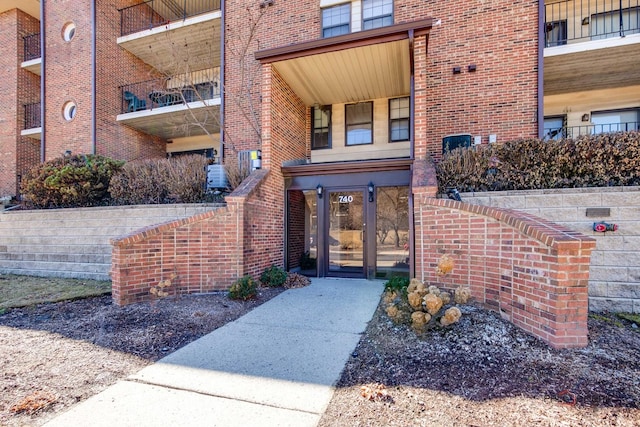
(348, 103)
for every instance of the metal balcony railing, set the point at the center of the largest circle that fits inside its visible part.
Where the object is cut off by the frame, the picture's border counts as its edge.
(31, 47)
(32, 117)
(157, 93)
(569, 22)
(594, 129)
(154, 13)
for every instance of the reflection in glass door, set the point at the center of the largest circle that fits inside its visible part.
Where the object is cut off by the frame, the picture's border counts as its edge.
(346, 232)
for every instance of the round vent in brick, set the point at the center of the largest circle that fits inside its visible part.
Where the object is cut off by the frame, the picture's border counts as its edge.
(68, 31)
(69, 110)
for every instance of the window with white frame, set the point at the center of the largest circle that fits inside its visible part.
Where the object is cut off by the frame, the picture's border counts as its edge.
(336, 20)
(359, 123)
(321, 127)
(399, 117)
(376, 13)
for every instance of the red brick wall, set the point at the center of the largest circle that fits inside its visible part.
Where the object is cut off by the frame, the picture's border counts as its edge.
(534, 272)
(28, 149)
(117, 67)
(67, 72)
(296, 228)
(19, 87)
(201, 251)
(284, 23)
(500, 38)
(9, 105)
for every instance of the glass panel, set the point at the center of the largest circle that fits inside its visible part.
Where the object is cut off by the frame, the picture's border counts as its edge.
(392, 232)
(553, 128)
(607, 24)
(345, 240)
(615, 121)
(302, 236)
(335, 20)
(377, 13)
(321, 127)
(400, 130)
(359, 123)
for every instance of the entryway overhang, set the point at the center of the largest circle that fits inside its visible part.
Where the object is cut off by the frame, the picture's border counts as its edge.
(353, 67)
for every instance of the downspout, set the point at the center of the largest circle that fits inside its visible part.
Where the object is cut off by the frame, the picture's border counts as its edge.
(541, 43)
(93, 77)
(412, 106)
(221, 82)
(43, 91)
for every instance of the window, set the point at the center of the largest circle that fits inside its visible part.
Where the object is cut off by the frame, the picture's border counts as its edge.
(399, 119)
(376, 13)
(614, 121)
(555, 33)
(321, 128)
(336, 20)
(554, 127)
(615, 23)
(359, 123)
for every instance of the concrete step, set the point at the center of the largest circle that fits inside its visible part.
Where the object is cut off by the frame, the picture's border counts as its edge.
(55, 248)
(67, 274)
(81, 258)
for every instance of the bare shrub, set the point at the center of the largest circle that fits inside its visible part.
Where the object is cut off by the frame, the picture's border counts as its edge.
(181, 179)
(236, 174)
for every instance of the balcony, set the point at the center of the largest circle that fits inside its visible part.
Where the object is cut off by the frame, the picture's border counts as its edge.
(32, 127)
(32, 54)
(591, 45)
(185, 105)
(152, 30)
(591, 129)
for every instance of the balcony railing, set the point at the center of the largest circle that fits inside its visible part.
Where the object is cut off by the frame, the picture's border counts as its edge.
(154, 13)
(31, 46)
(569, 22)
(595, 129)
(158, 93)
(32, 117)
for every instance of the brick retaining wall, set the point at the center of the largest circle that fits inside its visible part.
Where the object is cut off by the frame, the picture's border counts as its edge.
(614, 283)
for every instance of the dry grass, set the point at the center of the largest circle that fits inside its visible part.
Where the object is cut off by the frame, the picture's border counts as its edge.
(22, 291)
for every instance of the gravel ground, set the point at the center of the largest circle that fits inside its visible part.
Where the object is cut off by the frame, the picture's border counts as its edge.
(481, 371)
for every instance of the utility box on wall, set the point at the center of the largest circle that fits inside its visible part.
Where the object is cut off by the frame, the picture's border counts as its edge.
(451, 142)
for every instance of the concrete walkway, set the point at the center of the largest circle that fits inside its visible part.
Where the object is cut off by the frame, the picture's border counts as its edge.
(275, 366)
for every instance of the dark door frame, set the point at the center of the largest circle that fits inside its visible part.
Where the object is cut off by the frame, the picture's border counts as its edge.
(343, 176)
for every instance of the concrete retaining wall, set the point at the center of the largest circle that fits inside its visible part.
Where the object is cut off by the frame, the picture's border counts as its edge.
(614, 283)
(75, 242)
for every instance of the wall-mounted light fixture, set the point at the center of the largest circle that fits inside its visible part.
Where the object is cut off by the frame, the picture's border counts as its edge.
(585, 21)
(585, 117)
(370, 187)
(319, 190)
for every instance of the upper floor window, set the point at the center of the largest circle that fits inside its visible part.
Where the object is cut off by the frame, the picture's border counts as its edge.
(555, 33)
(377, 13)
(399, 119)
(321, 128)
(336, 20)
(359, 123)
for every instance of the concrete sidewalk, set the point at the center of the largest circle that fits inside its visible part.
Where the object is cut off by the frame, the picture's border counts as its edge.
(275, 366)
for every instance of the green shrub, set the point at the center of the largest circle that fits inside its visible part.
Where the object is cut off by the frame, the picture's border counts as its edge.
(155, 181)
(397, 283)
(73, 181)
(273, 276)
(611, 159)
(244, 288)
